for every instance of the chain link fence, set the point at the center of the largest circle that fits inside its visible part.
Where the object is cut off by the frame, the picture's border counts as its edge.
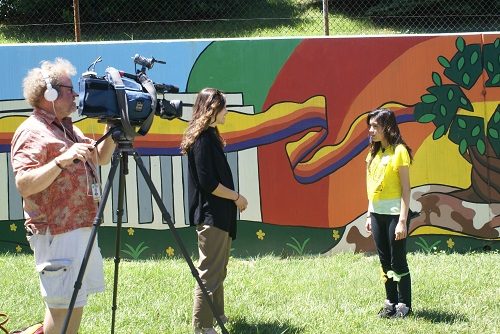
(98, 20)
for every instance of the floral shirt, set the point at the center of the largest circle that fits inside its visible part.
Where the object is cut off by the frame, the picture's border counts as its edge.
(66, 204)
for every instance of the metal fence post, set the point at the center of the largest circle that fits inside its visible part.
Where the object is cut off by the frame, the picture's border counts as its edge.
(76, 15)
(325, 18)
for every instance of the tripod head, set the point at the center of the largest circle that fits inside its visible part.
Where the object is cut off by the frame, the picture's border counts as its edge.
(116, 132)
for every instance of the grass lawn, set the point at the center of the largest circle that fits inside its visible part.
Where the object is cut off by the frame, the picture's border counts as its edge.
(309, 22)
(452, 293)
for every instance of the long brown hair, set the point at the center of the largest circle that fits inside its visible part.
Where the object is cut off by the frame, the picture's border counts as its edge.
(386, 119)
(208, 104)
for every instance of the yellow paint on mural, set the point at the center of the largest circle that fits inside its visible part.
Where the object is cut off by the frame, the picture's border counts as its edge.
(243, 122)
(326, 150)
(174, 126)
(440, 162)
(436, 230)
(10, 124)
(290, 147)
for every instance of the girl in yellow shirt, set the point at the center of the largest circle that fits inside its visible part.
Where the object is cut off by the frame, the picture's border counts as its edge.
(388, 190)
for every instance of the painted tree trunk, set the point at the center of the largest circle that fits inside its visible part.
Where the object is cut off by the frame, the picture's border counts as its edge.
(485, 177)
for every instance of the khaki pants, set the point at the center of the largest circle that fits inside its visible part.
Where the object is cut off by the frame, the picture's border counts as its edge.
(214, 246)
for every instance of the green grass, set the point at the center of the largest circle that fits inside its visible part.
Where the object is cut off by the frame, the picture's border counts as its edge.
(452, 293)
(268, 20)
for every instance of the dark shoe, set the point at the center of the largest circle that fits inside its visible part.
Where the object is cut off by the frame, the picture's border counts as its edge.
(402, 311)
(210, 330)
(388, 311)
(223, 318)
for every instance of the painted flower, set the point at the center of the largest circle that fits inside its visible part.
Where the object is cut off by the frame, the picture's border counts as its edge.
(130, 231)
(260, 234)
(13, 227)
(170, 251)
(19, 249)
(450, 243)
(335, 235)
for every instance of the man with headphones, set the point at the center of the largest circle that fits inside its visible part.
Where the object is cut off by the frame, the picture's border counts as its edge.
(55, 167)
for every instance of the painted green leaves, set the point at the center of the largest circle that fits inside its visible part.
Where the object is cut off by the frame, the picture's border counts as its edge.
(491, 55)
(135, 253)
(465, 67)
(426, 247)
(493, 131)
(442, 103)
(468, 131)
(440, 106)
(297, 246)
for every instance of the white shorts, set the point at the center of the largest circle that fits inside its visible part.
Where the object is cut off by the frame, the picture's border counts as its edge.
(58, 259)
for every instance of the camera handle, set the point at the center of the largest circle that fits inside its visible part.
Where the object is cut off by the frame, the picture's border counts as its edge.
(121, 97)
(120, 157)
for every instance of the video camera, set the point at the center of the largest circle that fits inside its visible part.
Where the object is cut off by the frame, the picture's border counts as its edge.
(127, 99)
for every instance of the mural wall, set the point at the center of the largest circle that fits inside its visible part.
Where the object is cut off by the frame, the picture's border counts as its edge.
(297, 139)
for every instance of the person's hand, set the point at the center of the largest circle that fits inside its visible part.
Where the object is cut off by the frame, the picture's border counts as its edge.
(368, 225)
(241, 203)
(77, 151)
(400, 232)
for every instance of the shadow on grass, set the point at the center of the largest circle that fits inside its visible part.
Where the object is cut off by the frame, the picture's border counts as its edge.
(241, 326)
(436, 316)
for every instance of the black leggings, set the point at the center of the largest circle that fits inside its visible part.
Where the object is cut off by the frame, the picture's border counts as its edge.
(392, 254)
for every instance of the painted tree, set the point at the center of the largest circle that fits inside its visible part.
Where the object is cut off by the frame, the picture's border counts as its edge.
(477, 138)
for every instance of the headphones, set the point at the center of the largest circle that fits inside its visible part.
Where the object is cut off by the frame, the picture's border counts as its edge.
(50, 93)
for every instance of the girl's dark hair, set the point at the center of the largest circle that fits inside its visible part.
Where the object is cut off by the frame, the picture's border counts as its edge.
(386, 119)
(209, 103)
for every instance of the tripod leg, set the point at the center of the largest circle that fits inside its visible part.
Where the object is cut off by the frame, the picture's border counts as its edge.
(93, 234)
(168, 219)
(119, 214)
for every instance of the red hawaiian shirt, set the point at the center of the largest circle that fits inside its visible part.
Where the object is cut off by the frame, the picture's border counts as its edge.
(66, 204)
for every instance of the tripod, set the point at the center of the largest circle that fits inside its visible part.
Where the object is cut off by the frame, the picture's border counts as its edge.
(120, 157)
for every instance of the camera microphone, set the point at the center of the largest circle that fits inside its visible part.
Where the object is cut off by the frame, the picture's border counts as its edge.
(146, 62)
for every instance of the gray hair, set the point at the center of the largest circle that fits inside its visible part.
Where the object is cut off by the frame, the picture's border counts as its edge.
(34, 84)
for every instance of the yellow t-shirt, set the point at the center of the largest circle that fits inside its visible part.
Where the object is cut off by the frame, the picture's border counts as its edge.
(383, 185)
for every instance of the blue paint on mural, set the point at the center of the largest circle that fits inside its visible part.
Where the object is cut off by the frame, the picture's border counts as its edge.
(179, 55)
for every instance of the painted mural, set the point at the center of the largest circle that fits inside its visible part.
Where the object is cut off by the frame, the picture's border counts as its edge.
(297, 139)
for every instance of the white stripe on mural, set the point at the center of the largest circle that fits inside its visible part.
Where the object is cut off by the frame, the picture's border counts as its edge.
(4, 187)
(156, 178)
(248, 179)
(178, 192)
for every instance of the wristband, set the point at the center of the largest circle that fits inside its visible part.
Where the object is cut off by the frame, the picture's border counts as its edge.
(237, 198)
(58, 164)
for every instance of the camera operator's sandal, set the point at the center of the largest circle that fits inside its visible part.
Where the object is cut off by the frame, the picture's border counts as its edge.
(4, 318)
(33, 329)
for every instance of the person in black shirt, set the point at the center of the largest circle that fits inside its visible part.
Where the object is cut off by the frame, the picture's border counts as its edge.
(213, 202)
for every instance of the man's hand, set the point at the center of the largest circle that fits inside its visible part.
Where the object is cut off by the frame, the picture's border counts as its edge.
(77, 151)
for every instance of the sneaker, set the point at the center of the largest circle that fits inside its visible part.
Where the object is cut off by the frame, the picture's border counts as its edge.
(210, 330)
(388, 310)
(401, 311)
